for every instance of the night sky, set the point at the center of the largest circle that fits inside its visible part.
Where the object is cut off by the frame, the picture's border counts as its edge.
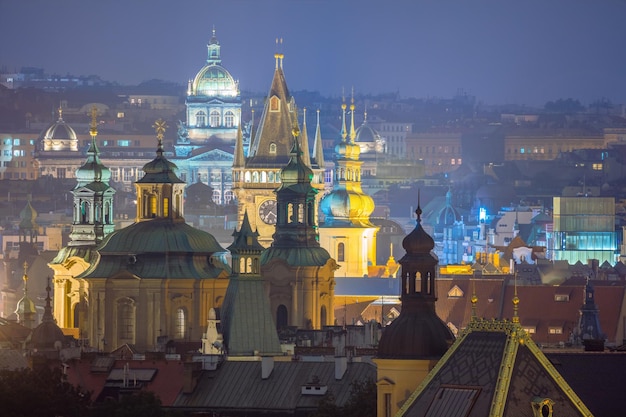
(501, 51)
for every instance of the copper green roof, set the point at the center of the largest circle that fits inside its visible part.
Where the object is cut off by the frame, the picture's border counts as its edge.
(295, 256)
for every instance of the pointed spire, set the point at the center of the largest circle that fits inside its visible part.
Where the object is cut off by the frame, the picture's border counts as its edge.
(352, 130)
(47, 314)
(239, 159)
(474, 299)
(306, 155)
(319, 149)
(344, 133)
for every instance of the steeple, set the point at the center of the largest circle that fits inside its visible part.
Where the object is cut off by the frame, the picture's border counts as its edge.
(272, 142)
(238, 157)
(589, 322)
(160, 191)
(26, 311)
(93, 196)
(304, 143)
(29, 229)
(417, 332)
(317, 145)
(247, 322)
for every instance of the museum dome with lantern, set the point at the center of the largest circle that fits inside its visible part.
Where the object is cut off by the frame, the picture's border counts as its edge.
(59, 136)
(213, 79)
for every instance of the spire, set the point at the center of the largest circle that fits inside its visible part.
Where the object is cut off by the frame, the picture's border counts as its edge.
(515, 301)
(239, 159)
(159, 127)
(306, 155)
(352, 130)
(474, 300)
(60, 111)
(344, 133)
(93, 132)
(319, 148)
(47, 312)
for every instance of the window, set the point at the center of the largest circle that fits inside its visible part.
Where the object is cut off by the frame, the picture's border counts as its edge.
(200, 119)
(340, 252)
(561, 297)
(126, 320)
(124, 142)
(274, 104)
(229, 119)
(214, 120)
(180, 324)
(272, 148)
(555, 330)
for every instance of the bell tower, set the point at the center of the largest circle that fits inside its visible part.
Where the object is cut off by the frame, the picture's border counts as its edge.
(256, 176)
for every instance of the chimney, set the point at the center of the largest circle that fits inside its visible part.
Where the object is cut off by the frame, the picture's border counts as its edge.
(267, 366)
(341, 366)
(191, 372)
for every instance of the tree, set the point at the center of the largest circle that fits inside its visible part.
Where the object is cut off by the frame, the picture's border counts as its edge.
(44, 392)
(567, 106)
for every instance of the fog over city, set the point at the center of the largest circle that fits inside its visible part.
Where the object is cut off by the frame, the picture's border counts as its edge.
(499, 51)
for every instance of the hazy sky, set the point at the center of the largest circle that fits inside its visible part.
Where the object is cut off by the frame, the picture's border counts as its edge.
(501, 51)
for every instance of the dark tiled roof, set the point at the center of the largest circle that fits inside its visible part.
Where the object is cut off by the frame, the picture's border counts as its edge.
(238, 386)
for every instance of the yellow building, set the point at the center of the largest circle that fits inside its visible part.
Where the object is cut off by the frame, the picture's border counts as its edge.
(347, 232)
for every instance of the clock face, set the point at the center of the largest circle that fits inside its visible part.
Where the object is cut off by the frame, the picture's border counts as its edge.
(267, 211)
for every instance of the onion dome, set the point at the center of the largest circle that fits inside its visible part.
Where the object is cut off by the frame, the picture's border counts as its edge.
(27, 217)
(417, 333)
(342, 204)
(93, 170)
(160, 169)
(48, 335)
(26, 310)
(418, 241)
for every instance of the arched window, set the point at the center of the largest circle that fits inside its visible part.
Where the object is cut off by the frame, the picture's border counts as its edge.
(323, 316)
(248, 265)
(153, 205)
(242, 265)
(179, 331)
(214, 120)
(229, 119)
(228, 196)
(255, 176)
(274, 104)
(200, 119)
(341, 252)
(216, 197)
(282, 317)
(126, 320)
(300, 213)
(84, 212)
(166, 207)
(272, 148)
(263, 176)
(107, 213)
(246, 176)
(290, 213)
(270, 177)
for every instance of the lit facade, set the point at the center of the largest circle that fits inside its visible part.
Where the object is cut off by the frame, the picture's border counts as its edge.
(583, 229)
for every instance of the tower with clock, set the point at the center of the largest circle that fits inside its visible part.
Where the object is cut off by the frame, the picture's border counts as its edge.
(257, 175)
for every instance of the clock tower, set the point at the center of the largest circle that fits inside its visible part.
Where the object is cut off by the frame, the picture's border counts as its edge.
(257, 175)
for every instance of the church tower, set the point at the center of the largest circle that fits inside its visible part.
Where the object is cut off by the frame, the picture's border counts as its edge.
(413, 343)
(26, 311)
(247, 322)
(92, 221)
(347, 232)
(160, 193)
(256, 176)
(93, 197)
(298, 272)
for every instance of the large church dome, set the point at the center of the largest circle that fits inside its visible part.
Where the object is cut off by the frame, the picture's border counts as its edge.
(215, 80)
(59, 136)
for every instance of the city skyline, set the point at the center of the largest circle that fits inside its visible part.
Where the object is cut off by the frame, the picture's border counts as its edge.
(501, 52)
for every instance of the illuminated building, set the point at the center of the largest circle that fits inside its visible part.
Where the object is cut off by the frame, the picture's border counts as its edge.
(17, 158)
(583, 229)
(298, 272)
(441, 151)
(92, 221)
(548, 144)
(204, 143)
(257, 175)
(347, 232)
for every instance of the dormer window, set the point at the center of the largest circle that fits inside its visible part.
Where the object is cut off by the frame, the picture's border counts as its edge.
(274, 103)
(561, 298)
(272, 148)
(455, 292)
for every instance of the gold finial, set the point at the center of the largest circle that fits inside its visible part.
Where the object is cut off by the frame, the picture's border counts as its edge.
(159, 127)
(93, 127)
(515, 303)
(60, 112)
(474, 300)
